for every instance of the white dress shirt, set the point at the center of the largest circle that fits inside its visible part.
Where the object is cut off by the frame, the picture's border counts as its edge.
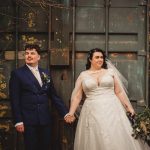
(36, 73)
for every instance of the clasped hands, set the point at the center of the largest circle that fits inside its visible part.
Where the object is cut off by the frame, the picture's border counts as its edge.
(69, 118)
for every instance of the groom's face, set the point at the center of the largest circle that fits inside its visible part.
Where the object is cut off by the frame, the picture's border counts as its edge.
(32, 57)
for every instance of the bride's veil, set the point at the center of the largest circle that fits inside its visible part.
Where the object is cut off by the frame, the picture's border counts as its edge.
(123, 83)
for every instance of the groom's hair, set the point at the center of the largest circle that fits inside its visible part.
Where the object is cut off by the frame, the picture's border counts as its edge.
(33, 46)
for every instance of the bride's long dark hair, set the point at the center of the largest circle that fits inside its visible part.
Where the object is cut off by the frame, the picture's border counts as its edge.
(90, 55)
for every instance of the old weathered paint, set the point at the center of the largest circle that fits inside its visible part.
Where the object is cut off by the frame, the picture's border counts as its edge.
(65, 34)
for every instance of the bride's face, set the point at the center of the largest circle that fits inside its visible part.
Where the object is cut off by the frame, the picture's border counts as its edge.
(97, 60)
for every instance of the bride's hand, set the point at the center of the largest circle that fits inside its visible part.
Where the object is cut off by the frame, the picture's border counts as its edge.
(69, 118)
(131, 111)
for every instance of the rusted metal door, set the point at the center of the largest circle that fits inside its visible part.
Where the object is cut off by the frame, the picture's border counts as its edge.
(48, 24)
(66, 30)
(119, 28)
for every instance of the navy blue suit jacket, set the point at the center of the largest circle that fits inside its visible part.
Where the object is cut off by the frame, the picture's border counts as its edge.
(30, 101)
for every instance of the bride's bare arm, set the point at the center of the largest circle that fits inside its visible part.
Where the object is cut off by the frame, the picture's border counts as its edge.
(76, 96)
(75, 100)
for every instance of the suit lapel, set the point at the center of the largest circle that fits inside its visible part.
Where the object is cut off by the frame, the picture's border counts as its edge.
(31, 77)
(41, 71)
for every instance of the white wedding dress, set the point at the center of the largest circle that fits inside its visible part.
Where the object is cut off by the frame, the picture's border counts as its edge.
(103, 124)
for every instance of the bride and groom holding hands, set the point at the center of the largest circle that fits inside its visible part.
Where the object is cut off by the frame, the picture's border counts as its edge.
(102, 125)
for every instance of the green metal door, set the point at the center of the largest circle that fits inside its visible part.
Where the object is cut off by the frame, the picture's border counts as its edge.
(119, 28)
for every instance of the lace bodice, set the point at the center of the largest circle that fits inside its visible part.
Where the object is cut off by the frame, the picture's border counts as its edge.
(93, 83)
(92, 86)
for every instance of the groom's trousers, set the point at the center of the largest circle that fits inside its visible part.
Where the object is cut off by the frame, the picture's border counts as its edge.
(37, 137)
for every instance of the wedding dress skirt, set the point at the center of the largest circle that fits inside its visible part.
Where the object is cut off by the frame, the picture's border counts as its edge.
(103, 124)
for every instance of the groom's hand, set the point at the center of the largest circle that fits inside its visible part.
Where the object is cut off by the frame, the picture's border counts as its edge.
(69, 118)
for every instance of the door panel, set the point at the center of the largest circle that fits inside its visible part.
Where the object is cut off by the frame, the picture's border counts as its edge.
(87, 20)
(123, 20)
(126, 40)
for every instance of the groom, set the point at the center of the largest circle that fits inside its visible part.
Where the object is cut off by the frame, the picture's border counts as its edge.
(30, 90)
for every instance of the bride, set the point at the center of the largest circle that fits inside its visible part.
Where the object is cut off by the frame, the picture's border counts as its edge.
(103, 124)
